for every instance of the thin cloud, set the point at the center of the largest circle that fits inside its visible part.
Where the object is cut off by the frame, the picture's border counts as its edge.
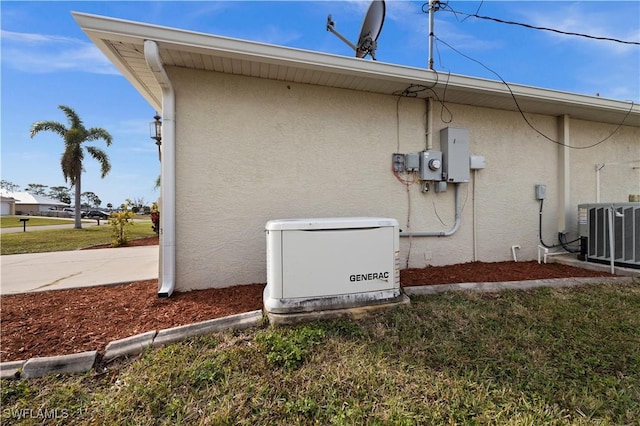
(207, 10)
(411, 18)
(463, 40)
(132, 127)
(607, 65)
(42, 53)
(271, 34)
(574, 18)
(276, 35)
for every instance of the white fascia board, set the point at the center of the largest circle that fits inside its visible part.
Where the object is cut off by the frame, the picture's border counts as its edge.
(99, 27)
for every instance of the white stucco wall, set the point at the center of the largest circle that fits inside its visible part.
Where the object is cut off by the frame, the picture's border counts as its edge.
(251, 150)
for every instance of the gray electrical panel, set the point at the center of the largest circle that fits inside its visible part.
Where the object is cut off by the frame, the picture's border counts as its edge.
(398, 162)
(411, 162)
(541, 191)
(454, 143)
(431, 165)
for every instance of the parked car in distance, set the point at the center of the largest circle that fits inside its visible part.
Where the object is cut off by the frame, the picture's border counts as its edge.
(97, 214)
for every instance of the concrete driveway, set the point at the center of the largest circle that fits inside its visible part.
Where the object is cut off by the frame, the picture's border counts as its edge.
(21, 273)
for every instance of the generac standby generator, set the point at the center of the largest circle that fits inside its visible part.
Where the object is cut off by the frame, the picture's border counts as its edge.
(331, 263)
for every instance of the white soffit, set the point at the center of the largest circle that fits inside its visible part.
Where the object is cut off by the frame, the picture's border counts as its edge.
(122, 42)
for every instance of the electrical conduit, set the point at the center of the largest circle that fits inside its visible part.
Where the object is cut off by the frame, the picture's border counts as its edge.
(167, 272)
(429, 123)
(456, 225)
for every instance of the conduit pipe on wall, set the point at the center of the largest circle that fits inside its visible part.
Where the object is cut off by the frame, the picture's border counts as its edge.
(167, 272)
(474, 217)
(612, 261)
(598, 168)
(565, 217)
(429, 123)
(456, 225)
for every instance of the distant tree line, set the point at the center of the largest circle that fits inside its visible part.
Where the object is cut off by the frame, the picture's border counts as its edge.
(63, 194)
(60, 193)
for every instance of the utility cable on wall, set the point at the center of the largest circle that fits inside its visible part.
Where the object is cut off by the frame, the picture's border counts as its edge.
(406, 182)
(413, 90)
(409, 226)
(561, 237)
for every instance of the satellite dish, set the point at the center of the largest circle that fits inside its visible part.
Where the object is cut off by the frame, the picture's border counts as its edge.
(371, 28)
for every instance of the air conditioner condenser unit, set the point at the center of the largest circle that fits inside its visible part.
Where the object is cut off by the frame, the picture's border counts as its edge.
(330, 264)
(595, 238)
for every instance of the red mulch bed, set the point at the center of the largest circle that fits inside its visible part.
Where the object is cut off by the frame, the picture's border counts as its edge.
(67, 321)
(61, 322)
(492, 272)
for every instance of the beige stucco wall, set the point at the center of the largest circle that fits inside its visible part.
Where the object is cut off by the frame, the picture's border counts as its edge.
(620, 177)
(251, 150)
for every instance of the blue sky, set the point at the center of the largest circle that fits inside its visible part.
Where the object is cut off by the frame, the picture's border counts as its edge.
(46, 61)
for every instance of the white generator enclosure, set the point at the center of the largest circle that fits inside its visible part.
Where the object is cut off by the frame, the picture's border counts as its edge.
(331, 263)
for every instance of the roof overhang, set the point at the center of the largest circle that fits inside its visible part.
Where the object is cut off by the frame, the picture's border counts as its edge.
(122, 42)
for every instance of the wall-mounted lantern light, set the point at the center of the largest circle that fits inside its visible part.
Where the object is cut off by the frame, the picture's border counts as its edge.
(155, 131)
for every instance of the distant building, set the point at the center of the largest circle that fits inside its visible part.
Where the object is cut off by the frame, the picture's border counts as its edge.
(25, 203)
(8, 205)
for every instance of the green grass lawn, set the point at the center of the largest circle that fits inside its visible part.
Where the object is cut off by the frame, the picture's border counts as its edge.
(67, 239)
(539, 357)
(14, 221)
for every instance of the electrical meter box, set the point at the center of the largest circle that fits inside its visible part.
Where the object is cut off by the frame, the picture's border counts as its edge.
(431, 165)
(331, 263)
(454, 143)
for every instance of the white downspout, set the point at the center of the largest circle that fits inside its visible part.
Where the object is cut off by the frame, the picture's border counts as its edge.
(456, 225)
(167, 272)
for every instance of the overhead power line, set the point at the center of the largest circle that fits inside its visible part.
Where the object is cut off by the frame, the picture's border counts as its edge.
(446, 7)
(524, 117)
(552, 29)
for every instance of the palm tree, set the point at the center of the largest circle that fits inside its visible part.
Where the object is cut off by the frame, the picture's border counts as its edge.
(72, 157)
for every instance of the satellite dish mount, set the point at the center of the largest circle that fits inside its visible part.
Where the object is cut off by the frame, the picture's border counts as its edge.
(371, 28)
